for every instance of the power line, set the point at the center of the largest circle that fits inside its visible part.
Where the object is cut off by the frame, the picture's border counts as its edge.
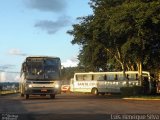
(9, 71)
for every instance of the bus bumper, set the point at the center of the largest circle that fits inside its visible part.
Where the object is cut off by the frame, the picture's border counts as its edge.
(41, 91)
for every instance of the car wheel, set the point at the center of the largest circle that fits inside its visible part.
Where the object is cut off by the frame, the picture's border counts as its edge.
(27, 96)
(52, 96)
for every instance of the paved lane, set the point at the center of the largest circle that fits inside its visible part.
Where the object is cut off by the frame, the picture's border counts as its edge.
(76, 104)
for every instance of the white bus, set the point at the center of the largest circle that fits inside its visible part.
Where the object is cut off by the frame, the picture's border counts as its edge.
(105, 82)
(40, 75)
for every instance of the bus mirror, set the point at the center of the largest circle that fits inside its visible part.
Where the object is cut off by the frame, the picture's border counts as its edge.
(24, 69)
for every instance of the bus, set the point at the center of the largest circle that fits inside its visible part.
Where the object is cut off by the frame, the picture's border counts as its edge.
(105, 82)
(40, 75)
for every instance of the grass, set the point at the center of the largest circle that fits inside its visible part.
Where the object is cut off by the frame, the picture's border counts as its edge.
(5, 92)
(146, 96)
(119, 96)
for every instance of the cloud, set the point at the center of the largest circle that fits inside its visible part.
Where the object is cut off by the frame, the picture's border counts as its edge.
(2, 77)
(9, 77)
(6, 66)
(16, 51)
(55, 6)
(47, 5)
(53, 26)
(73, 62)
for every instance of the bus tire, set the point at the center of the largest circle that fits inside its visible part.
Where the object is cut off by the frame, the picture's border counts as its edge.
(22, 95)
(102, 93)
(27, 96)
(52, 96)
(94, 91)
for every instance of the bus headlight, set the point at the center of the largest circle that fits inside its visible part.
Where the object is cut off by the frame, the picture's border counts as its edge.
(30, 86)
(56, 86)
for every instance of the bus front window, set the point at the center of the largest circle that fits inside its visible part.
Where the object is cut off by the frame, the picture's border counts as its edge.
(35, 70)
(48, 69)
(51, 68)
(51, 72)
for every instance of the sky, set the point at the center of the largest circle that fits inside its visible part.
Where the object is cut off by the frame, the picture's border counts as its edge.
(38, 27)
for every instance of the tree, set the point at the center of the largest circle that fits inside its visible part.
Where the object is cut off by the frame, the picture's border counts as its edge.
(92, 54)
(137, 23)
(126, 31)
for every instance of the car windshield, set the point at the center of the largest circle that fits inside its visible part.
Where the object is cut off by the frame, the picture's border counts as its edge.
(43, 69)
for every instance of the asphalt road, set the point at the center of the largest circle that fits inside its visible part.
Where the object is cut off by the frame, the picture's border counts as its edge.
(71, 106)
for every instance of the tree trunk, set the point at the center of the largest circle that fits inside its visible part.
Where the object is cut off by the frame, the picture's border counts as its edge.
(118, 57)
(124, 74)
(140, 72)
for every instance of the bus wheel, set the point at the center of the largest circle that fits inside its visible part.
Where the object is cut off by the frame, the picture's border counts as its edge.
(27, 96)
(102, 93)
(52, 96)
(22, 95)
(95, 91)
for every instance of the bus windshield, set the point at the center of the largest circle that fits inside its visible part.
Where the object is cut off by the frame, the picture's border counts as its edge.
(46, 69)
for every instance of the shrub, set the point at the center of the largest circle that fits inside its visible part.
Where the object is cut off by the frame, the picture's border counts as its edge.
(131, 91)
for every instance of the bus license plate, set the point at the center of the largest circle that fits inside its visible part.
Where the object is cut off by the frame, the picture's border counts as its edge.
(43, 90)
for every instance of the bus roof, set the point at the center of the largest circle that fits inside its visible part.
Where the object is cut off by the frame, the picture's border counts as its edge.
(118, 72)
(42, 57)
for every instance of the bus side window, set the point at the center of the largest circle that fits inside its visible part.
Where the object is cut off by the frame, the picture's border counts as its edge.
(132, 77)
(98, 77)
(84, 77)
(79, 77)
(101, 77)
(110, 77)
(120, 77)
(87, 77)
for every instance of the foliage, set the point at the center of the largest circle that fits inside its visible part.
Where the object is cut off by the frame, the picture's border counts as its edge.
(68, 72)
(119, 34)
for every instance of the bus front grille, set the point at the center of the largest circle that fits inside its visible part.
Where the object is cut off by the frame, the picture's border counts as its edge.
(40, 91)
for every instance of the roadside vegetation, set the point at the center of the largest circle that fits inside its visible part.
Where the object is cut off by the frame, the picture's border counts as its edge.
(8, 88)
(120, 35)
